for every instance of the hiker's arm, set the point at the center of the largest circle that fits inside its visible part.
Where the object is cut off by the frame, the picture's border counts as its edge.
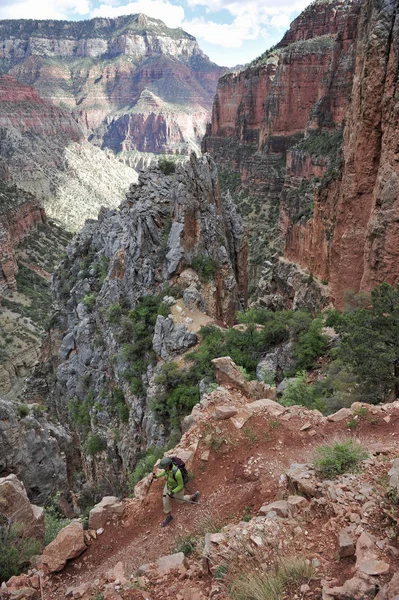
(161, 474)
(179, 481)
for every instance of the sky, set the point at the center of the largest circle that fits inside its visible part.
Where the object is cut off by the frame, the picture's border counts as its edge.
(230, 32)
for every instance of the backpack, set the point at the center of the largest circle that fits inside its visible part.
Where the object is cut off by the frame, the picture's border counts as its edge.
(181, 465)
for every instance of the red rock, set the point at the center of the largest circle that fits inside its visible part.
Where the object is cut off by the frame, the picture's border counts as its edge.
(68, 544)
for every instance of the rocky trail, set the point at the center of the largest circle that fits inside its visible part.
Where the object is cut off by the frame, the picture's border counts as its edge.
(240, 467)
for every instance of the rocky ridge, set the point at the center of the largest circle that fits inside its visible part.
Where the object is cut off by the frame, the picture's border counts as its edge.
(149, 256)
(293, 123)
(131, 83)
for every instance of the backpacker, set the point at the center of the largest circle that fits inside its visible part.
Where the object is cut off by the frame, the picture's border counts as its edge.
(181, 465)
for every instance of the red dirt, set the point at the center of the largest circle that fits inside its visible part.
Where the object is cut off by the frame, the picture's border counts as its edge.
(228, 491)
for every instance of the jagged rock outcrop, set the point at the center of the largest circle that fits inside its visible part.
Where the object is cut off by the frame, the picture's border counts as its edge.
(132, 83)
(109, 292)
(328, 199)
(38, 451)
(46, 154)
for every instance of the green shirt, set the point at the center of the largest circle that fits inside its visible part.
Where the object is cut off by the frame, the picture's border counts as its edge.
(174, 479)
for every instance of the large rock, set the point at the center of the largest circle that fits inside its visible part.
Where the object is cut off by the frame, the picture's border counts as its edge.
(360, 587)
(68, 544)
(394, 475)
(346, 544)
(227, 373)
(108, 509)
(171, 339)
(302, 477)
(280, 507)
(278, 360)
(164, 564)
(15, 505)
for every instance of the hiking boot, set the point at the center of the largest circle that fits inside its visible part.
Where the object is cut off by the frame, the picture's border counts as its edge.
(194, 497)
(167, 520)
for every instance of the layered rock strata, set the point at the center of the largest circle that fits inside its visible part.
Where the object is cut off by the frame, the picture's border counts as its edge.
(162, 240)
(46, 154)
(131, 82)
(332, 198)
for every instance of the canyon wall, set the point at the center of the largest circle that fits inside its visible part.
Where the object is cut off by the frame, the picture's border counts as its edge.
(311, 128)
(131, 83)
(46, 154)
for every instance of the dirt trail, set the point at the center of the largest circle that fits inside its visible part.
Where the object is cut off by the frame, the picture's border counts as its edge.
(243, 473)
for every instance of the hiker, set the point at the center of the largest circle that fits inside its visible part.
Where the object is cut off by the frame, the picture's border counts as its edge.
(173, 489)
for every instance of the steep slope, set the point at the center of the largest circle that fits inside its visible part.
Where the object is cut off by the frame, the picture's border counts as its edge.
(311, 127)
(264, 505)
(134, 289)
(131, 82)
(46, 154)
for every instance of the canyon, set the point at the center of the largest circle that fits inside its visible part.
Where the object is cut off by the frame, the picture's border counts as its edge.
(132, 84)
(310, 128)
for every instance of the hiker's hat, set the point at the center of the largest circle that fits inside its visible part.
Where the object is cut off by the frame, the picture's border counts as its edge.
(166, 461)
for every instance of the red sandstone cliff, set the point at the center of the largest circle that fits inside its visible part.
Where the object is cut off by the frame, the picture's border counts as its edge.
(19, 214)
(335, 203)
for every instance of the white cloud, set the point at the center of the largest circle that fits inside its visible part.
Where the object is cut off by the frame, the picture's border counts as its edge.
(168, 13)
(50, 9)
(227, 35)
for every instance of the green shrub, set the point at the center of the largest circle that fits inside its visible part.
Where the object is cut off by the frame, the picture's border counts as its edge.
(300, 392)
(340, 457)
(144, 466)
(15, 551)
(95, 444)
(205, 266)
(310, 345)
(255, 584)
(114, 313)
(23, 410)
(167, 165)
(54, 521)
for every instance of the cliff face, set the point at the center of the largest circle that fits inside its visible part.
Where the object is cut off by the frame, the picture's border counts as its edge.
(19, 214)
(131, 82)
(138, 284)
(46, 154)
(313, 126)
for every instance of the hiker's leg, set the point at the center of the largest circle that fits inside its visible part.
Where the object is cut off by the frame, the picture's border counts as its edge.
(167, 507)
(179, 497)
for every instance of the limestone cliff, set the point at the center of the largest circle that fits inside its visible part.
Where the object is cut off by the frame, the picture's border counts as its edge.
(131, 82)
(132, 293)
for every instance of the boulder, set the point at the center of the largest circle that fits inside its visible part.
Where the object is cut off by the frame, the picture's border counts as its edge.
(346, 544)
(296, 504)
(357, 588)
(280, 507)
(171, 338)
(302, 478)
(164, 564)
(224, 412)
(340, 415)
(68, 544)
(279, 358)
(142, 488)
(390, 591)
(227, 373)
(258, 390)
(270, 406)
(109, 508)
(394, 475)
(15, 505)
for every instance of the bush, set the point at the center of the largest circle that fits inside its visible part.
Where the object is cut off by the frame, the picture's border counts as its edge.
(23, 410)
(340, 457)
(255, 584)
(114, 313)
(144, 466)
(205, 266)
(310, 345)
(15, 551)
(299, 392)
(53, 521)
(167, 165)
(95, 444)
